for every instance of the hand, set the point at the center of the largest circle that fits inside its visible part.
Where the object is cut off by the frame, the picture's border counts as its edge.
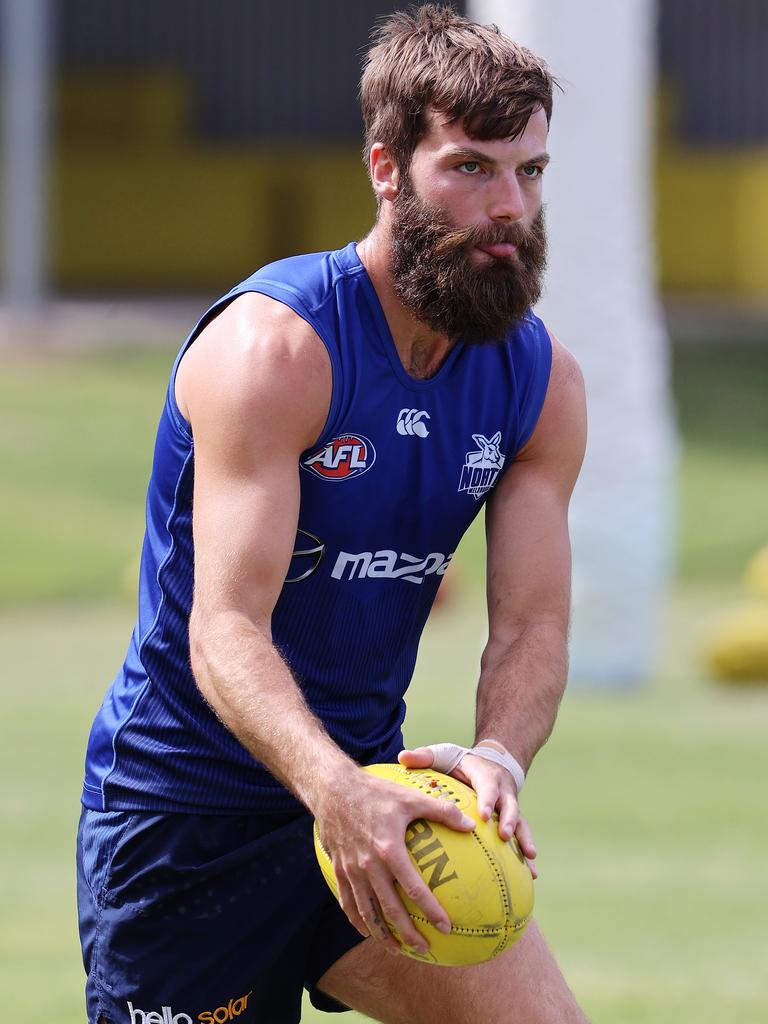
(495, 789)
(363, 831)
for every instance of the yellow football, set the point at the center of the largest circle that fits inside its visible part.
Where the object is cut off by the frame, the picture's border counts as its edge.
(483, 882)
(736, 649)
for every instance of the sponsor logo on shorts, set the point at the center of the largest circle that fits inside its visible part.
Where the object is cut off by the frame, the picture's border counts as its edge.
(163, 1016)
(221, 1015)
(482, 467)
(390, 565)
(342, 458)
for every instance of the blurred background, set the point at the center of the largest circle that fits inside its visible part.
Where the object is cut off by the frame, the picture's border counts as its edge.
(155, 154)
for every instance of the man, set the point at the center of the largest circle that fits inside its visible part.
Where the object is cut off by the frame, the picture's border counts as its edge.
(332, 427)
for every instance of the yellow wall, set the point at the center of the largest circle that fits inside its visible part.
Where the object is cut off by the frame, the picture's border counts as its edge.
(712, 214)
(190, 218)
(138, 205)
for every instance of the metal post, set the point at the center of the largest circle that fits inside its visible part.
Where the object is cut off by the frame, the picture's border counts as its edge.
(25, 70)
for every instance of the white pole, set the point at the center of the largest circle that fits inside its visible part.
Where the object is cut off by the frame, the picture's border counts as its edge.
(25, 72)
(601, 302)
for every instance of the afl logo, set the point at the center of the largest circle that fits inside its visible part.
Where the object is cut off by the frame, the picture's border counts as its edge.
(344, 457)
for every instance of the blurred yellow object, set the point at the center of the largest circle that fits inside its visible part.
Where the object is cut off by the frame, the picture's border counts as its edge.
(737, 648)
(129, 581)
(756, 573)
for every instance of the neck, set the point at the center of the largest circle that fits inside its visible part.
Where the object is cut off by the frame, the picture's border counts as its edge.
(422, 351)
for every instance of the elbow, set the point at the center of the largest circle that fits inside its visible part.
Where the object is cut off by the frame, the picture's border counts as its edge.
(220, 640)
(201, 652)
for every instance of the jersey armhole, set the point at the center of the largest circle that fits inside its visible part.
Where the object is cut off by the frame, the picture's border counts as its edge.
(282, 293)
(536, 387)
(289, 298)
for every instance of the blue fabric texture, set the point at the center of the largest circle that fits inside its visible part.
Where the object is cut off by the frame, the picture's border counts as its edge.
(401, 469)
(183, 915)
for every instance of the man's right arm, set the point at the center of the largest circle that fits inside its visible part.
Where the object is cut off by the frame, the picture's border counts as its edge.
(256, 388)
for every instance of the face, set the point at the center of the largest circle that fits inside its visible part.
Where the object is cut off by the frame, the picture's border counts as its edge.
(467, 229)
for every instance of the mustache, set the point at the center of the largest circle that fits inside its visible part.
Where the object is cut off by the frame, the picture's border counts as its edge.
(489, 234)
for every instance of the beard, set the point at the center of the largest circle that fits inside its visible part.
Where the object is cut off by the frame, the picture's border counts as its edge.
(435, 278)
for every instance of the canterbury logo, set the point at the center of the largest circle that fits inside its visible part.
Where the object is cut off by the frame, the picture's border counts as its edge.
(389, 564)
(411, 421)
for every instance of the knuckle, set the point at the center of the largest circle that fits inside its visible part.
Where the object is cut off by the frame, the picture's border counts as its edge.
(413, 890)
(385, 848)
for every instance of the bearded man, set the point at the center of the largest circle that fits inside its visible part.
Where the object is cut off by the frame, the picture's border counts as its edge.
(332, 427)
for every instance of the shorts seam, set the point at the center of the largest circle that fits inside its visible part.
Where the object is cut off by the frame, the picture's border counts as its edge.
(102, 898)
(100, 902)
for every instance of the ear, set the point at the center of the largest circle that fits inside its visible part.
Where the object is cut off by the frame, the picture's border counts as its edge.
(385, 174)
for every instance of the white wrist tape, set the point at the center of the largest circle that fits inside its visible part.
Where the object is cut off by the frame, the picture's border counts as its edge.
(447, 756)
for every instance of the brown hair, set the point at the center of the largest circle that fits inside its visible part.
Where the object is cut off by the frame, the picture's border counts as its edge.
(434, 58)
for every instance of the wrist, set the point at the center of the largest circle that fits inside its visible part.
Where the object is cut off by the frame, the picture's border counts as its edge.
(330, 783)
(495, 751)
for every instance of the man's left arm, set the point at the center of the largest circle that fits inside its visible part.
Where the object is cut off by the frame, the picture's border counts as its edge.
(524, 664)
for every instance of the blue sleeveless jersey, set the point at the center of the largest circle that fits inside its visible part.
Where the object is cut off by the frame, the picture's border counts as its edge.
(400, 471)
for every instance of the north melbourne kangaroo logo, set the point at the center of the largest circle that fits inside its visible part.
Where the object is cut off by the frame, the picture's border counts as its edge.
(481, 468)
(411, 421)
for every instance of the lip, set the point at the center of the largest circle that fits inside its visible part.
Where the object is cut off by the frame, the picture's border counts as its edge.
(502, 250)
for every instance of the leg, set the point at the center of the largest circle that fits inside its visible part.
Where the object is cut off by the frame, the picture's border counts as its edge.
(522, 986)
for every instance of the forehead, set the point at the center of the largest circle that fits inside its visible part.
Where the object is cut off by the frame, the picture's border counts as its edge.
(442, 137)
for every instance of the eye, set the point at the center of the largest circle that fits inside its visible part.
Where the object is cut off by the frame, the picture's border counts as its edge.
(471, 167)
(532, 171)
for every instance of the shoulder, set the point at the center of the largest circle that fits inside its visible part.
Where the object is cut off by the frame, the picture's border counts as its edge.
(565, 377)
(560, 433)
(257, 359)
(305, 282)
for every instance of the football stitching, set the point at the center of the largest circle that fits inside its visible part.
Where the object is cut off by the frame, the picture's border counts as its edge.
(504, 938)
(429, 785)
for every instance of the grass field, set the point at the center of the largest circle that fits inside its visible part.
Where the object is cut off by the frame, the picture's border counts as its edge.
(648, 807)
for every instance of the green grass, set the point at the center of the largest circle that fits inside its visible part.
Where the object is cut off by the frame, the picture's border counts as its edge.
(648, 807)
(721, 393)
(648, 810)
(76, 445)
(75, 454)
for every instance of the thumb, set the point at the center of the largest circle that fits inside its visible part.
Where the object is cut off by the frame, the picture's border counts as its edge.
(421, 757)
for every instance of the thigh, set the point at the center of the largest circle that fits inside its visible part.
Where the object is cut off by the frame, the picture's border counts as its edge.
(200, 918)
(521, 986)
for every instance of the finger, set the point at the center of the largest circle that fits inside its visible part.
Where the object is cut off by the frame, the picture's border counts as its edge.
(349, 904)
(509, 815)
(421, 757)
(524, 837)
(395, 912)
(417, 890)
(369, 911)
(444, 811)
(487, 794)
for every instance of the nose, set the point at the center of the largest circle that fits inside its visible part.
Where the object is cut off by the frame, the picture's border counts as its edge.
(507, 202)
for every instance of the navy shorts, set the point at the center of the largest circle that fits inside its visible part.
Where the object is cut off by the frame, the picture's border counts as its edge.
(204, 919)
